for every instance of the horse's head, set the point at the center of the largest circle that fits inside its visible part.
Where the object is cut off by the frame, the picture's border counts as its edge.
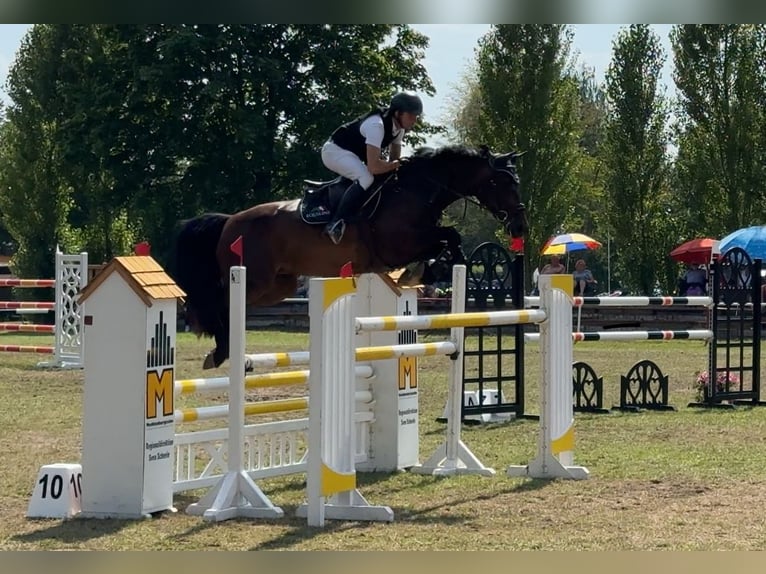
(451, 172)
(498, 190)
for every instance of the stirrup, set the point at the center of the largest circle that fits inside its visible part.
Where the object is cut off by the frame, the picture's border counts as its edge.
(336, 230)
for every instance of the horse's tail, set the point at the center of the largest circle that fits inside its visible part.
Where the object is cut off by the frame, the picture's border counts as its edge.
(196, 271)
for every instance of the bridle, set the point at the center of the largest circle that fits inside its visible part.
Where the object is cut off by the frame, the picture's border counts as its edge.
(438, 187)
(502, 215)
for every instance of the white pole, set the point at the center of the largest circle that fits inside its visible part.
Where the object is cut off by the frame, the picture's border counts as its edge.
(455, 392)
(235, 494)
(453, 456)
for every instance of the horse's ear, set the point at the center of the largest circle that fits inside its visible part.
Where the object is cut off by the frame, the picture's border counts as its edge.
(508, 158)
(484, 150)
(503, 160)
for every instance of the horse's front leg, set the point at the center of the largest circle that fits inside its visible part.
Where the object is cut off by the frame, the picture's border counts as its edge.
(454, 242)
(446, 252)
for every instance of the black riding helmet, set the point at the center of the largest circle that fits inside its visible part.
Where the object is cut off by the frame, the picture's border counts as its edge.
(406, 102)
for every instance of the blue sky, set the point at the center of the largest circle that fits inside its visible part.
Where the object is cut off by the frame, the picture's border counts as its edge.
(447, 58)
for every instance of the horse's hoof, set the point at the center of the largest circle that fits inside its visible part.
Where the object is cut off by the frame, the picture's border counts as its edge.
(209, 362)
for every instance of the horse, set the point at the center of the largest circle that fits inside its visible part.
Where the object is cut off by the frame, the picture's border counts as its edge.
(399, 226)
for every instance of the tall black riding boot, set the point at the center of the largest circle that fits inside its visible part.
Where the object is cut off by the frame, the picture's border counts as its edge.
(349, 204)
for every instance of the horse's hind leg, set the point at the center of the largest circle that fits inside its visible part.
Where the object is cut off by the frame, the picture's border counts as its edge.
(217, 356)
(283, 286)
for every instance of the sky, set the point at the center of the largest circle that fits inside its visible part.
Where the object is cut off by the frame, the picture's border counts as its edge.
(448, 56)
(451, 51)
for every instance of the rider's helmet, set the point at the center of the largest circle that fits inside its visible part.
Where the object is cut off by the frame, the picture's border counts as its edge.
(406, 102)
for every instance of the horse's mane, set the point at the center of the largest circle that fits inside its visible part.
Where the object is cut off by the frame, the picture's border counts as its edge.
(440, 160)
(446, 153)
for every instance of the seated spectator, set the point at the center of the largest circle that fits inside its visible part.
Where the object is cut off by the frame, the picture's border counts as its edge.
(694, 281)
(584, 282)
(535, 279)
(303, 286)
(427, 291)
(555, 267)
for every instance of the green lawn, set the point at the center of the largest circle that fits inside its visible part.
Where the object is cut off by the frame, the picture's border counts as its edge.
(690, 479)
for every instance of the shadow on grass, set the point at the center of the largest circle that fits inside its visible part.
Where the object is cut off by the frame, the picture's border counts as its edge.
(75, 530)
(428, 515)
(294, 530)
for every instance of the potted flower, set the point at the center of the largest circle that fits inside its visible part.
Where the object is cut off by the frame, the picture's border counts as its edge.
(723, 382)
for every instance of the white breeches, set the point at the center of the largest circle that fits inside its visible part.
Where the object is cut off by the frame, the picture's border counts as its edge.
(346, 163)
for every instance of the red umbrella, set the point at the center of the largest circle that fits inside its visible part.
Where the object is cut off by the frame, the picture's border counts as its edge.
(695, 251)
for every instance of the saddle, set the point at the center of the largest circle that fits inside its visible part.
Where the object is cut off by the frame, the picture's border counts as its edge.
(321, 198)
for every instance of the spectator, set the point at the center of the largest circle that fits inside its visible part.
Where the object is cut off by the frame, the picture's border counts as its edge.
(535, 279)
(555, 267)
(303, 286)
(694, 281)
(584, 282)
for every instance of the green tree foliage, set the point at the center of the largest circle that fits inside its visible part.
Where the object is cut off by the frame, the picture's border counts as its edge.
(721, 129)
(527, 97)
(588, 215)
(34, 198)
(635, 158)
(146, 125)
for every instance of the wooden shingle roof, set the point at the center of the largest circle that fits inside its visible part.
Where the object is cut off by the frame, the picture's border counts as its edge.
(143, 274)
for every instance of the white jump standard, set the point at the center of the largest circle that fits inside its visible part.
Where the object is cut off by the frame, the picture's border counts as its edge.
(331, 480)
(236, 494)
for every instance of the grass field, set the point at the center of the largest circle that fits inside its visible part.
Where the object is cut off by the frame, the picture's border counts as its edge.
(686, 480)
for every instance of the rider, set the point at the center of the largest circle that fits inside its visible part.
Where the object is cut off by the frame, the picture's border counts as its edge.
(354, 150)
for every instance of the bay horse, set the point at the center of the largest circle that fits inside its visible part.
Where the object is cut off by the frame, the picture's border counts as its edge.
(401, 227)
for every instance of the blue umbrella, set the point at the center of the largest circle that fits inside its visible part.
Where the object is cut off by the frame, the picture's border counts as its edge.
(751, 239)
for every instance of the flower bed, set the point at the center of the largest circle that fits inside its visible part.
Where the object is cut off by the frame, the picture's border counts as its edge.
(724, 381)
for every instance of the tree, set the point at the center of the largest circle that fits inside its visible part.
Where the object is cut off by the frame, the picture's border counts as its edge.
(635, 159)
(149, 124)
(528, 101)
(34, 198)
(721, 130)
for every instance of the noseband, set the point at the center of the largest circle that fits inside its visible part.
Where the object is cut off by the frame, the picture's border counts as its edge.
(502, 215)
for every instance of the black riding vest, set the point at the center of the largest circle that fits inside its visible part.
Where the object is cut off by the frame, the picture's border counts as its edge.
(349, 137)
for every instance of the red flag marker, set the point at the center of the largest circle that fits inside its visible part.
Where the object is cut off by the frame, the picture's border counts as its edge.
(236, 248)
(347, 270)
(142, 248)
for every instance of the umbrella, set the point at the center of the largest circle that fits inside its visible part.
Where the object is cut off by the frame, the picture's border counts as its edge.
(567, 242)
(695, 251)
(751, 239)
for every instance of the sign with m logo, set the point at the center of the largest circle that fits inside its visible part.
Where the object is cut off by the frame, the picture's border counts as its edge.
(159, 391)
